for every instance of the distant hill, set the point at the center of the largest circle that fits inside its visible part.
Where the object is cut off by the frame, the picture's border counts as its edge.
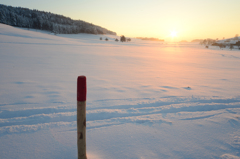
(233, 40)
(197, 40)
(58, 24)
(151, 39)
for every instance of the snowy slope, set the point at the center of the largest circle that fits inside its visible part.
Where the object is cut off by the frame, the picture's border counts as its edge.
(146, 100)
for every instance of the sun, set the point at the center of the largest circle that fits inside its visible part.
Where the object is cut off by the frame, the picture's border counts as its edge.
(173, 34)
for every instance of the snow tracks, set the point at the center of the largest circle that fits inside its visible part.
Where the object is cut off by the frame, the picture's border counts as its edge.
(102, 114)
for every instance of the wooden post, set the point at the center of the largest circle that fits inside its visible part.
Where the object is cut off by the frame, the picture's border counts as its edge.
(81, 117)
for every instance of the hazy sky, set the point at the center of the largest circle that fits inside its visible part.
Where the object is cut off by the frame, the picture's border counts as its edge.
(191, 19)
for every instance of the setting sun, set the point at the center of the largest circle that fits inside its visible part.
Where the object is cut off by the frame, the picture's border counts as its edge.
(173, 34)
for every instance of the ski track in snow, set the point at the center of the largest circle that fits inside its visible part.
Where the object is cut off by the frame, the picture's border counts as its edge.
(28, 120)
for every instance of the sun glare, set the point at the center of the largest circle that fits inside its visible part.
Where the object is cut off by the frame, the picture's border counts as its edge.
(173, 34)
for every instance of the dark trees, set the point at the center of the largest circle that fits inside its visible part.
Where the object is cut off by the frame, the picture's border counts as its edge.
(58, 24)
(238, 44)
(122, 38)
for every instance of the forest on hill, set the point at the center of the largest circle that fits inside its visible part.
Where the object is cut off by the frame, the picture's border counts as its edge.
(58, 24)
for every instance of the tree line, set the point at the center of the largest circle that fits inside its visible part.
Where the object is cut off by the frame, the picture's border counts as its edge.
(223, 43)
(122, 39)
(58, 24)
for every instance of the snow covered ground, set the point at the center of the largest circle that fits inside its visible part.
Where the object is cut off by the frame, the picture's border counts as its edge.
(146, 100)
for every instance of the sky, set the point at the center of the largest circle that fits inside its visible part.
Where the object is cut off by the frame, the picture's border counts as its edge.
(171, 20)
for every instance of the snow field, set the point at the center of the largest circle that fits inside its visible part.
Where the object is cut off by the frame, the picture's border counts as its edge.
(145, 99)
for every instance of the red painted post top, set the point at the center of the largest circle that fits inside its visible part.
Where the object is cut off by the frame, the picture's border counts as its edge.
(81, 88)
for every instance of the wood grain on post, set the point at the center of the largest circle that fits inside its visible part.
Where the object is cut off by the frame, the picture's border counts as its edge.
(81, 117)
